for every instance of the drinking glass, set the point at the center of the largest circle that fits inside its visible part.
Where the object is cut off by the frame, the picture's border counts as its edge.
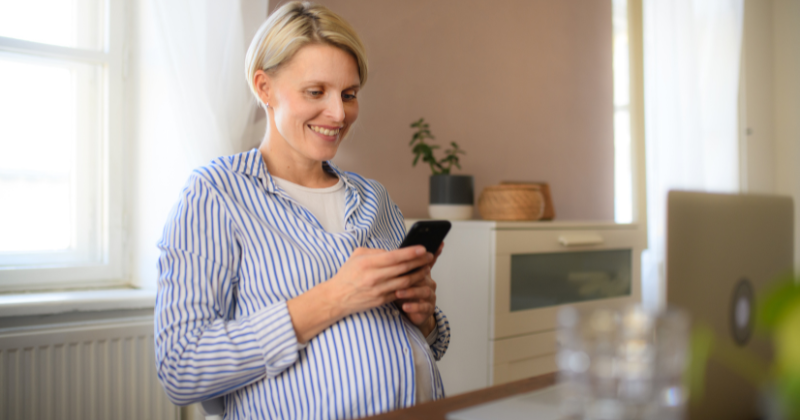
(622, 364)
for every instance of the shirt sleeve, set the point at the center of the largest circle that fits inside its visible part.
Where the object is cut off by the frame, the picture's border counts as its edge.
(442, 341)
(201, 352)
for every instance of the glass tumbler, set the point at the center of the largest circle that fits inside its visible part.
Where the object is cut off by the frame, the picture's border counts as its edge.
(622, 364)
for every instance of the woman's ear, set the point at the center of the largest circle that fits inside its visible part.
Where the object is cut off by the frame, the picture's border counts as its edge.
(263, 83)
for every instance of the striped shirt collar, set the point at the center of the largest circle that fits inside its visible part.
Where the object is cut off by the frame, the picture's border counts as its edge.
(251, 163)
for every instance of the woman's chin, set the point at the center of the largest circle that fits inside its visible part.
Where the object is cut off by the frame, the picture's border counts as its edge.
(326, 154)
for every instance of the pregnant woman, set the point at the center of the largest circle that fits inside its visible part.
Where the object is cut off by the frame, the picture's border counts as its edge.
(281, 287)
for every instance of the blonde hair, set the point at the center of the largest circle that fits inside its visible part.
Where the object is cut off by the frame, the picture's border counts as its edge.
(293, 26)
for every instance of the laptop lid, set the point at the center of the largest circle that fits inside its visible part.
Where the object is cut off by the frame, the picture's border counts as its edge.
(722, 250)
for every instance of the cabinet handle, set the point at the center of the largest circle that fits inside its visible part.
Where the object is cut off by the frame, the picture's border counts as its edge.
(580, 239)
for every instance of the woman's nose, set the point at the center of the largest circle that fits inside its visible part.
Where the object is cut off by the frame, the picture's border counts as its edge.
(335, 109)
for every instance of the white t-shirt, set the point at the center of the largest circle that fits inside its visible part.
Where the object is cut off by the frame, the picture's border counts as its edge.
(327, 205)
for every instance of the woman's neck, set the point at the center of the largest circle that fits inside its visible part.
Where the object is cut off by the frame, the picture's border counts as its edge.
(284, 162)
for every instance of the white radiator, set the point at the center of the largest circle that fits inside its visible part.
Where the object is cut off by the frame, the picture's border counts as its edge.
(82, 371)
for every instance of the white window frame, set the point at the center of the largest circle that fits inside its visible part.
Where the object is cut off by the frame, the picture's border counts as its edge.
(629, 166)
(108, 272)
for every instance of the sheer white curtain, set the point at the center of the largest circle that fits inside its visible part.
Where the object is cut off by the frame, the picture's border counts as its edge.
(692, 54)
(190, 103)
(205, 43)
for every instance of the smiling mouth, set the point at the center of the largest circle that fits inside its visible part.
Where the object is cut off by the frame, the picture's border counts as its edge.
(325, 131)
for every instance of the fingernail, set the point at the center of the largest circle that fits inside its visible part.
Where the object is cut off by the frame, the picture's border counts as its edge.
(421, 250)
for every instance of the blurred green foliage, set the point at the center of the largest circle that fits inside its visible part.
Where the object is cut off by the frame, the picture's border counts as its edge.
(778, 316)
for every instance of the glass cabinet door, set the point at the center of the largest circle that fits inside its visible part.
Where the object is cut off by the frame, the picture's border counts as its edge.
(549, 279)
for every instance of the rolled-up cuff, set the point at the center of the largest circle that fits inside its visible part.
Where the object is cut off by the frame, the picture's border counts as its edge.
(276, 337)
(439, 347)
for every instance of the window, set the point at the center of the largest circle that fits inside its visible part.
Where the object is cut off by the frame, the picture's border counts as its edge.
(623, 160)
(60, 78)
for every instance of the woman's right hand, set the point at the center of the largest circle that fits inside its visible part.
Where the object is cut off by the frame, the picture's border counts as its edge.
(369, 278)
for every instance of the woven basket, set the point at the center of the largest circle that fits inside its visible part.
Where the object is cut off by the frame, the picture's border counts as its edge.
(549, 208)
(511, 202)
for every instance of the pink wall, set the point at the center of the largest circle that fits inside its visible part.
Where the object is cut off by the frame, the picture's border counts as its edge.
(524, 86)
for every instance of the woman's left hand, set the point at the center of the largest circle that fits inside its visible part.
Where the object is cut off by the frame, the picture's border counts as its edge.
(419, 302)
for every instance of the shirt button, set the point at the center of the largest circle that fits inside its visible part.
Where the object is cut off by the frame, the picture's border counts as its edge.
(405, 350)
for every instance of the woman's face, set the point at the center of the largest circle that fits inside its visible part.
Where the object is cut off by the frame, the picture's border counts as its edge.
(313, 101)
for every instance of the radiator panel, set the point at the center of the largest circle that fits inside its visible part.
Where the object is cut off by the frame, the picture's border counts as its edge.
(96, 370)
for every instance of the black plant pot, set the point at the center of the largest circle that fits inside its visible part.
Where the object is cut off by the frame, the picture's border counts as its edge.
(452, 197)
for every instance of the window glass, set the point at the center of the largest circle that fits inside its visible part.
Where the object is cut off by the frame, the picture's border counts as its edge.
(623, 175)
(74, 24)
(549, 279)
(50, 129)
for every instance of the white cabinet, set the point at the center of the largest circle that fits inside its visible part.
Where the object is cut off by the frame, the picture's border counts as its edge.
(501, 285)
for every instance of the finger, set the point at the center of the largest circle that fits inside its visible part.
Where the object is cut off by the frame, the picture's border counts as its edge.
(387, 297)
(403, 282)
(404, 267)
(418, 307)
(415, 293)
(398, 256)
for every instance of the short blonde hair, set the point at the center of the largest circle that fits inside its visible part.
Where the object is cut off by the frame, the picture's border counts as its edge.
(293, 26)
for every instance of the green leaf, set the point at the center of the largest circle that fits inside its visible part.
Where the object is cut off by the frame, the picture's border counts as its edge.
(777, 301)
(701, 344)
(789, 393)
(425, 151)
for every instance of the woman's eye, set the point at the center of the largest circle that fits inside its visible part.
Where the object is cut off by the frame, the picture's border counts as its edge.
(315, 93)
(348, 96)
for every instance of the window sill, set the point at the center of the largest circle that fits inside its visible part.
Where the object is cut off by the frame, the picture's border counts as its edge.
(48, 303)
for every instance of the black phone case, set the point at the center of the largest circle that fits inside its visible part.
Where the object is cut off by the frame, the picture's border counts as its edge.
(429, 233)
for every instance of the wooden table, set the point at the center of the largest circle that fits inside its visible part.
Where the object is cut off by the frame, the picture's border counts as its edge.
(437, 410)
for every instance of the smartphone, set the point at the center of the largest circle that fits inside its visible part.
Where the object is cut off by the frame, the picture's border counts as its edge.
(429, 233)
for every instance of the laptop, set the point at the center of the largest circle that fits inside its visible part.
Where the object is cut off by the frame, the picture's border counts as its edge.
(722, 250)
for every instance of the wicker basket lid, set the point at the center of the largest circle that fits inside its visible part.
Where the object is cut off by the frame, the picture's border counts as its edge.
(511, 202)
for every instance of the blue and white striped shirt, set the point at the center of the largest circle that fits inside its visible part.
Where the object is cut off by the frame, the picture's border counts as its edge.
(235, 248)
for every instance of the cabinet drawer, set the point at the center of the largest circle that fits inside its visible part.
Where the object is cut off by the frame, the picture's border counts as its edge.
(509, 350)
(538, 272)
(523, 357)
(521, 369)
(560, 240)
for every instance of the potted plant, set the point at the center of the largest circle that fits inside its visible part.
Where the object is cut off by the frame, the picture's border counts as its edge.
(451, 196)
